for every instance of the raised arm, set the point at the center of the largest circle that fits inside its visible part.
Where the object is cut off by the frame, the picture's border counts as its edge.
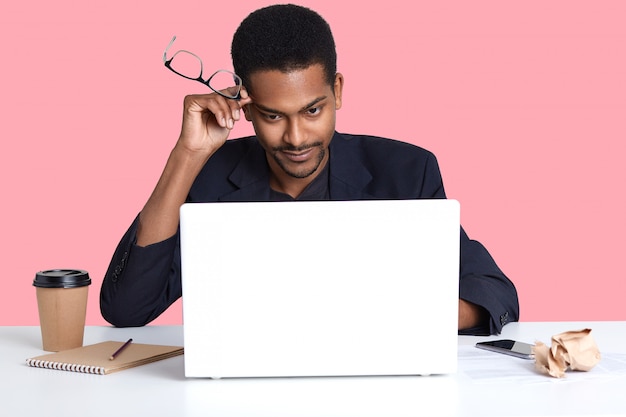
(143, 278)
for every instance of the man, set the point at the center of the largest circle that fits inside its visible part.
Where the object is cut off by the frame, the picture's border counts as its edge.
(285, 56)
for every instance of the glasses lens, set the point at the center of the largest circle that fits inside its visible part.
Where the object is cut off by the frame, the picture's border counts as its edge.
(225, 82)
(186, 64)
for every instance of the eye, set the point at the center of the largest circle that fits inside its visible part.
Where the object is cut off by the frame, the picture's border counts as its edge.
(271, 117)
(314, 111)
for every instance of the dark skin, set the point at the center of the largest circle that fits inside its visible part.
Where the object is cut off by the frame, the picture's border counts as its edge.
(293, 114)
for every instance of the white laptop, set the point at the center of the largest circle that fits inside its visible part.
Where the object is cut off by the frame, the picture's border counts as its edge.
(327, 288)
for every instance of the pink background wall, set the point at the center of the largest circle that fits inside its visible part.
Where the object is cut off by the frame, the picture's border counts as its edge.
(524, 104)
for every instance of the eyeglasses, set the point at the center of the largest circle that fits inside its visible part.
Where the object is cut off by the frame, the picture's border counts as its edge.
(189, 65)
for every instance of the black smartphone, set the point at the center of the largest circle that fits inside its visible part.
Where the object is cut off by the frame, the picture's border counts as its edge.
(508, 347)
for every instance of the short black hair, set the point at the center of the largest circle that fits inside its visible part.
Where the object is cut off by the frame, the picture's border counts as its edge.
(283, 37)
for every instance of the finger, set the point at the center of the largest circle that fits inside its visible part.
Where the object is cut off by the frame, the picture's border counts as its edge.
(244, 97)
(243, 93)
(236, 104)
(215, 104)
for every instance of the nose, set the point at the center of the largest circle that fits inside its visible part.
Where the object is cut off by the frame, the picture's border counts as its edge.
(295, 135)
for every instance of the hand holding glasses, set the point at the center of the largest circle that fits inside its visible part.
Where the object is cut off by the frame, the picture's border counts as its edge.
(188, 65)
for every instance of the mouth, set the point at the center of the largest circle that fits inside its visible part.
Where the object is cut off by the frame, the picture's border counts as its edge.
(295, 156)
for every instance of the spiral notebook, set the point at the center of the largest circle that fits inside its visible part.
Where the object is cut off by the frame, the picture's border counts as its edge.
(94, 359)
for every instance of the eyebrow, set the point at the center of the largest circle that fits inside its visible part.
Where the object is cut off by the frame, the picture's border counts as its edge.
(274, 111)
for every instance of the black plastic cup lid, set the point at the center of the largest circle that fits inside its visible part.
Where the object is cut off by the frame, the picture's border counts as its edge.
(62, 278)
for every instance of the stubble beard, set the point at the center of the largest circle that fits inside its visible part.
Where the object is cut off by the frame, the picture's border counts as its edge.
(301, 173)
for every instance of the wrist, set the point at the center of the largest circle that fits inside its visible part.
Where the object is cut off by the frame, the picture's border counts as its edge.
(182, 155)
(471, 315)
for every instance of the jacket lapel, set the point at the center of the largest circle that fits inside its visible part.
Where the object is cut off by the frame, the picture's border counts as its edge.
(251, 177)
(348, 176)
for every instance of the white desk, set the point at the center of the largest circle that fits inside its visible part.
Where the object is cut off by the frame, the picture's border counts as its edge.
(160, 389)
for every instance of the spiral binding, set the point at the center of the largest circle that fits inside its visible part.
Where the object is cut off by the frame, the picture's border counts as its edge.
(86, 369)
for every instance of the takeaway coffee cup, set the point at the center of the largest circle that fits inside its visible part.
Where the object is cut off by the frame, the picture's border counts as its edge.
(62, 302)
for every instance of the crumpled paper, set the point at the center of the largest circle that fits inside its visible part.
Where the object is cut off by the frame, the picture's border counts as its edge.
(575, 350)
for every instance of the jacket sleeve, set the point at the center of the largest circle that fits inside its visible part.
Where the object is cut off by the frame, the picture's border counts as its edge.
(480, 279)
(141, 282)
(483, 283)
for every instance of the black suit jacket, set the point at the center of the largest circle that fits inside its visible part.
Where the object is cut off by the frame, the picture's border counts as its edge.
(142, 282)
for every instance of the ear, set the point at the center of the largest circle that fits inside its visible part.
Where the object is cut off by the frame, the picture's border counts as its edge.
(338, 90)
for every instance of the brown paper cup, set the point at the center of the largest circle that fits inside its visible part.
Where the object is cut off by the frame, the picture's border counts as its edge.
(62, 302)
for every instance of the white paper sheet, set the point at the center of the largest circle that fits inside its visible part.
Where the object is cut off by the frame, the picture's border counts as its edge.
(488, 367)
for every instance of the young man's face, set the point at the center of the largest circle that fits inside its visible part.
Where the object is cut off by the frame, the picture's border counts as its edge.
(294, 119)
